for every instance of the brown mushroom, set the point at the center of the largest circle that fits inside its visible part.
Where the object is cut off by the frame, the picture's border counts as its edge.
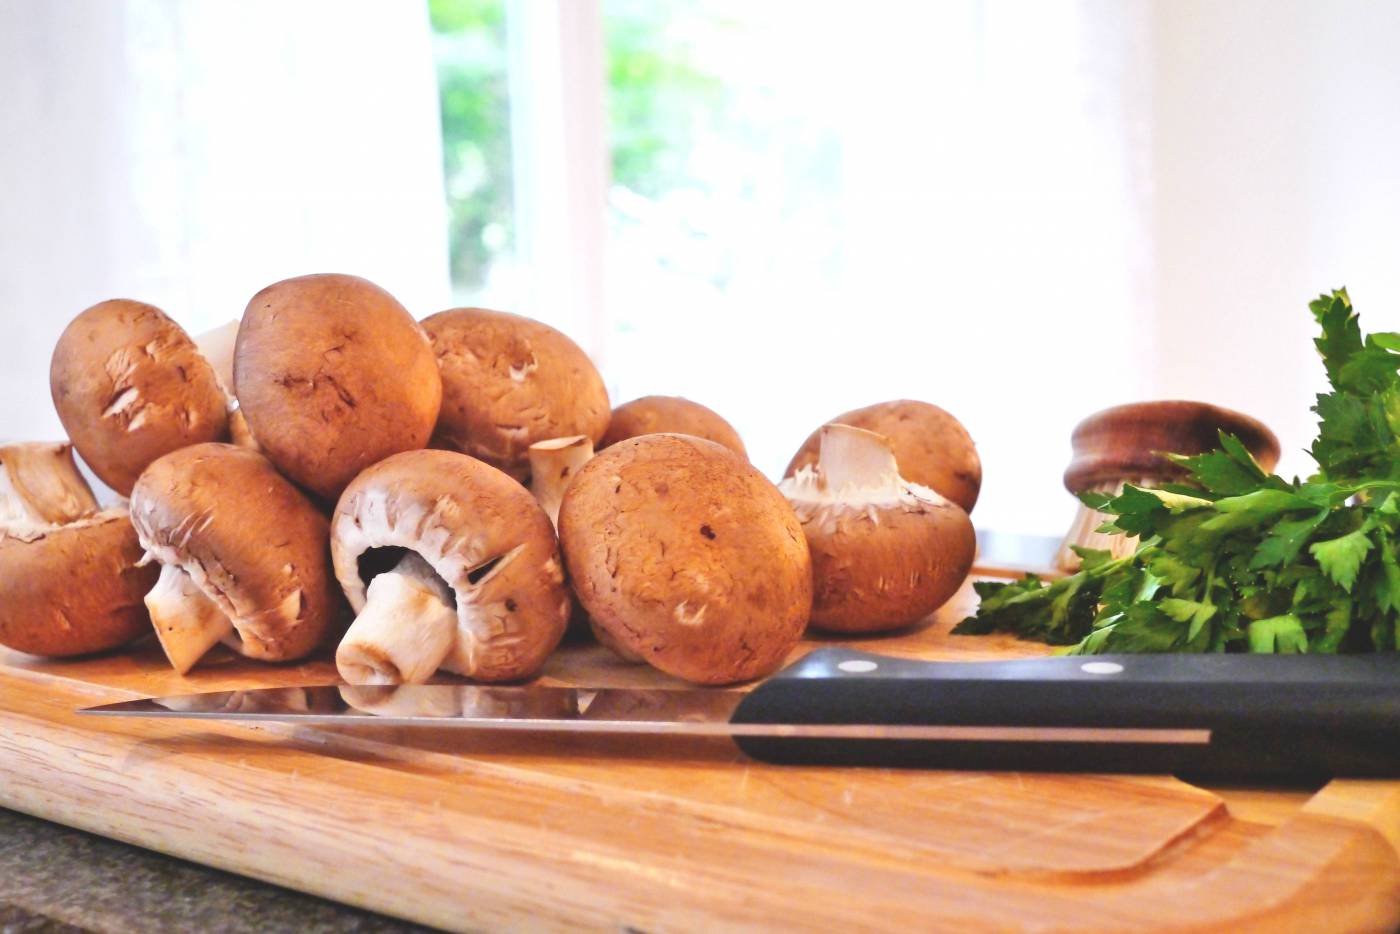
(332, 375)
(688, 556)
(509, 381)
(653, 414)
(885, 552)
(243, 556)
(129, 385)
(40, 485)
(932, 448)
(69, 581)
(451, 565)
(72, 589)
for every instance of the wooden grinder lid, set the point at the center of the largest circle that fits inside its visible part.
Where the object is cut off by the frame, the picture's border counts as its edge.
(1127, 442)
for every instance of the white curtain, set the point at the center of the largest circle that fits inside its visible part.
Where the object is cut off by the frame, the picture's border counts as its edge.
(1046, 208)
(187, 154)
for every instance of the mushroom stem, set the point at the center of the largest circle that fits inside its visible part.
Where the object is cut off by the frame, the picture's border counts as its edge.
(553, 464)
(188, 624)
(855, 458)
(40, 485)
(217, 347)
(405, 630)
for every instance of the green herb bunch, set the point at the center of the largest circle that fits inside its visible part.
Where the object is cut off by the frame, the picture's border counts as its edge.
(1235, 559)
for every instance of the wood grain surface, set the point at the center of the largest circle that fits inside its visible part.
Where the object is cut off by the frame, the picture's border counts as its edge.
(569, 833)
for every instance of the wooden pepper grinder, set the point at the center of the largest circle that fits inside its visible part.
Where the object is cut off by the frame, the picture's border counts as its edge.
(1126, 444)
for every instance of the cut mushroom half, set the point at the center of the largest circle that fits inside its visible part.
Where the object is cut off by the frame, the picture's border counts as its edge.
(450, 565)
(242, 555)
(885, 552)
(553, 466)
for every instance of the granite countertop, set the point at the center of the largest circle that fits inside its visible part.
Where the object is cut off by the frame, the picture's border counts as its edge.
(55, 880)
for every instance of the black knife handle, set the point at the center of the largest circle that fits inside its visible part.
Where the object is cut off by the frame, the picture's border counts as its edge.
(1301, 717)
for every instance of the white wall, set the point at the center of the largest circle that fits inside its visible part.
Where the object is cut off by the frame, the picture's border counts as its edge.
(1276, 169)
(187, 154)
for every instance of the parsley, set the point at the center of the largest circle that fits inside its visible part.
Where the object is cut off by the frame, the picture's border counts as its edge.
(1238, 560)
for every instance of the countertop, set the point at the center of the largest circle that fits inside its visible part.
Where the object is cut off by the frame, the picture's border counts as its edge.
(54, 880)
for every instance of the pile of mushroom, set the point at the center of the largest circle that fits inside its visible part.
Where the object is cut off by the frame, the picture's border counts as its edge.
(885, 552)
(681, 554)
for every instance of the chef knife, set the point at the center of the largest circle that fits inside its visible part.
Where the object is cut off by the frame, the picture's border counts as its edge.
(1231, 716)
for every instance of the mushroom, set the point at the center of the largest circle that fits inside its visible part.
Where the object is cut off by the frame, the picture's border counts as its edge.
(72, 589)
(242, 555)
(507, 382)
(885, 552)
(332, 375)
(931, 447)
(686, 555)
(129, 385)
(40, 486)
(449, 564)
(653, 414)
(553, 465)
(51, 537)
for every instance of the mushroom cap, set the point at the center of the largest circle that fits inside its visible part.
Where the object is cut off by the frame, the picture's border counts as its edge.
(251, 542)
(483, 533)
(73, 589)
(40, 485)
(129, 386)
(688, 556)
(509, 381)
(932, 447)
(655, 414)
(886, 562)
(332, 375)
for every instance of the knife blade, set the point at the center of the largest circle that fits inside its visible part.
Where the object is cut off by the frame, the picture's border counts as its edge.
(1302, 717)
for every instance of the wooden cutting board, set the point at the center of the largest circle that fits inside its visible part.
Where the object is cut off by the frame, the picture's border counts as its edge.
(551, 833)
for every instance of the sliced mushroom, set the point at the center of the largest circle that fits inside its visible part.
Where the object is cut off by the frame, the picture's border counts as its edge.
(652, 414)
(129, 386)
(688, 556)
(242, 554)
(509, 382)
(553, 465)
(72, 589)
(40, 485)
(885, 552)
(932, 448)
(332, 375)
(451, 565)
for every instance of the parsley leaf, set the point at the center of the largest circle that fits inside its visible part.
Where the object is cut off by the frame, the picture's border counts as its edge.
(1234, 559)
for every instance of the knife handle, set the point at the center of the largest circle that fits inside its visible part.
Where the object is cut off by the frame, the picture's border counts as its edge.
(1301, 718)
